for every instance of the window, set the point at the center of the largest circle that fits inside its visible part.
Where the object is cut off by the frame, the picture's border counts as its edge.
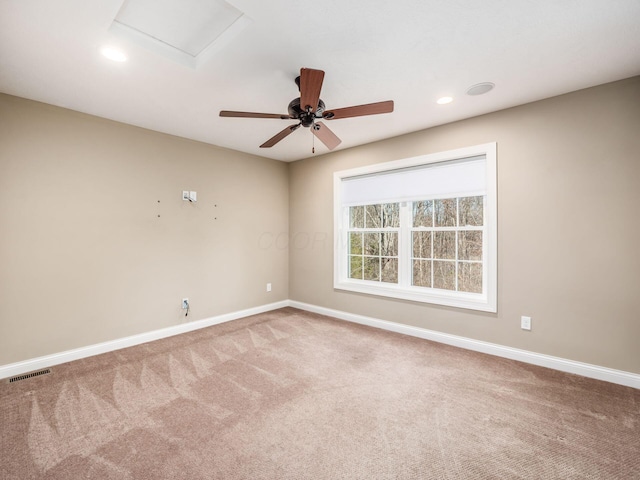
(421, 229)
(446, 243)
(373, 242)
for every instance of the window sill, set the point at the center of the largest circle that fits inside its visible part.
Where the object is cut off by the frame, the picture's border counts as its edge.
(471, 301)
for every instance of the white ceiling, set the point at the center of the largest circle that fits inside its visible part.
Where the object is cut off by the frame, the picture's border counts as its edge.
(409, 51)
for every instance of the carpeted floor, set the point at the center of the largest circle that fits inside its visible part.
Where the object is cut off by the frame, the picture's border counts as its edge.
(294, 395)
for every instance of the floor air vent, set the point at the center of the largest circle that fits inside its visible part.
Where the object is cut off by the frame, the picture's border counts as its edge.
(46, 371)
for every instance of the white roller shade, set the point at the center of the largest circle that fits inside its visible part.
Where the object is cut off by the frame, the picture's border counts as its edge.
(459, 178)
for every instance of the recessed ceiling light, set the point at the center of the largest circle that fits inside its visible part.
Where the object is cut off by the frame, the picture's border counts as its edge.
(113, 54)
(480, 88)
(444, 100)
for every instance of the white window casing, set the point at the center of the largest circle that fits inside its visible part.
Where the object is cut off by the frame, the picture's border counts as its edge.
(465, 172)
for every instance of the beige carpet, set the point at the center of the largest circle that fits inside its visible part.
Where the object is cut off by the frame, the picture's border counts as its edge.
(293, 395)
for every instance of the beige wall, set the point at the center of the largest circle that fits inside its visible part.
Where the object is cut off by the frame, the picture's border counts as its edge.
(84, 256)
(569, 224)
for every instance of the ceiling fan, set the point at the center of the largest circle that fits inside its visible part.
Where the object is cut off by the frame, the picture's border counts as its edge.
(308, 108)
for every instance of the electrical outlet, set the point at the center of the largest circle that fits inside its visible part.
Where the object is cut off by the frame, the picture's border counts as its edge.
(185, 195)
(525, 323)
(193, 196)
(268, 287)
(185, 303)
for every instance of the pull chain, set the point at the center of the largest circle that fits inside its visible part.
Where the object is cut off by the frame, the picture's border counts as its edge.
(313, 143)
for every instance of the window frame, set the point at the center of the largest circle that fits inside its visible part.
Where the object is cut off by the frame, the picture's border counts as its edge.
(486, 301)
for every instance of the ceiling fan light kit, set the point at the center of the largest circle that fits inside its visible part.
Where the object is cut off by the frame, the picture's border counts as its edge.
(308, 108)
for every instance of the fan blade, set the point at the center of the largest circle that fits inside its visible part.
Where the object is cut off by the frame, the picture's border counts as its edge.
(228, 113)
(276, 138)
(325, 135)
(359, 110)
(310, 86)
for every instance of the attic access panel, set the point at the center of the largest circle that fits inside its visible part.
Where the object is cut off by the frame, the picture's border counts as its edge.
(186, 31)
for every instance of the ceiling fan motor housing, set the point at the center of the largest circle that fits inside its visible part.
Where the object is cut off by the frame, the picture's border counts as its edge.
(306, 118)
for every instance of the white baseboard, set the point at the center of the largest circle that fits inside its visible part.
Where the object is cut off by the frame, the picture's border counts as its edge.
(586, 370)
(19, 368)
(570, 366)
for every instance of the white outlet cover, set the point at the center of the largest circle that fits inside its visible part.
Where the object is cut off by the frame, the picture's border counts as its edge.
(525, 323)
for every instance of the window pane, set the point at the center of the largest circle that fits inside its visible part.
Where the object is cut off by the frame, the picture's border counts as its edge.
(470, 277)
(355, 243)
(444, 274)
(422, 244)
(422, 273)
(444, 245)
(471, 211)
(372, 268)
(372, 244)
(469, 245)
(373, 217)
(445, 212)
(389, 244)
(423, 214)
(355, 267)
(356, 217)
(390, 270)
(391, 215)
